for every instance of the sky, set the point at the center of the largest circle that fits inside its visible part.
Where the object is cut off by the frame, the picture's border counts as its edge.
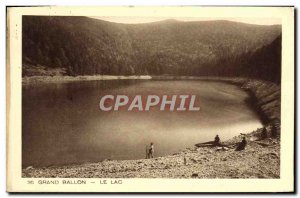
(136, 20)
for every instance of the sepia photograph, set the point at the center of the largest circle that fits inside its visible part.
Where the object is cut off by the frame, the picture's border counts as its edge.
(152, 96)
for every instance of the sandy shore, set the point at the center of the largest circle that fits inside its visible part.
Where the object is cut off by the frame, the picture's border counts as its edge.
(260, 159)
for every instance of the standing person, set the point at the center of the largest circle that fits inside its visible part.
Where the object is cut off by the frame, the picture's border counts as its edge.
(151, 150)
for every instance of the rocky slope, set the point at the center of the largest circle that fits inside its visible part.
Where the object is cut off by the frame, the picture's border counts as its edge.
(260, 159)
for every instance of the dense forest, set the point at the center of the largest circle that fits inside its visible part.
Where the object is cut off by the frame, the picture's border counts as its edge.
(86, 46)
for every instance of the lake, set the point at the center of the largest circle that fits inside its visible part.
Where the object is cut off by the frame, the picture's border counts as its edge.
(62, 123)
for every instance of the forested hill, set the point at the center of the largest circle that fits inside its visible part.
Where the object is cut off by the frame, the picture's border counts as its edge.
(86, 46)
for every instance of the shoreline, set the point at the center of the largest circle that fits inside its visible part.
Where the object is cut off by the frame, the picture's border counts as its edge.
(63, 79)
(28, 80)
(264, 155)
(260, 159)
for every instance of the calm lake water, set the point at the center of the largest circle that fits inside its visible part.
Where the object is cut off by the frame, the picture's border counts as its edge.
(62, 122)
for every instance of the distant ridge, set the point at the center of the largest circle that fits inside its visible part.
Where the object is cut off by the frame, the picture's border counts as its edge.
(88, 46)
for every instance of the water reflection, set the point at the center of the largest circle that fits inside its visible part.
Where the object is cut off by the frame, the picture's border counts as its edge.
(62, 123)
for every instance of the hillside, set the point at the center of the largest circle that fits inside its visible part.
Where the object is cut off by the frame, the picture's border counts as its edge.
(267, 60)
(85, 46)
